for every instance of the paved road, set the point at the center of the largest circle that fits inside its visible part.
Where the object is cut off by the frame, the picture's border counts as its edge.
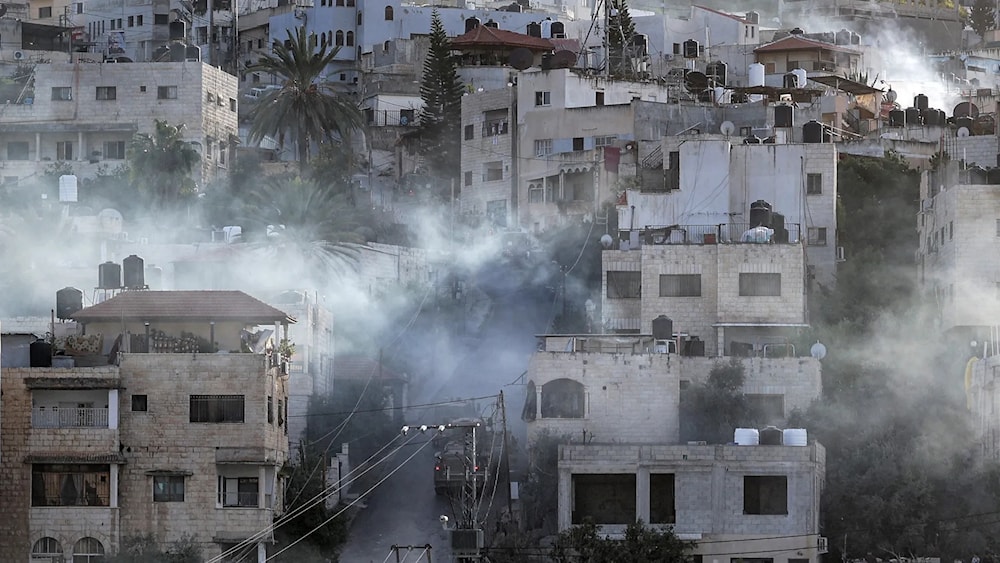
(404, 509)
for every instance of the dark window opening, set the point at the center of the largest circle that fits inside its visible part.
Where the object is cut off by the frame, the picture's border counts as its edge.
(765, 494)
(604, 498)
(470, 132)
(624, 285)
(70, 484)
(680, 285)
(168, 488)
(661, 499)
(562, 398)
(814, 184)
(139, 403)
(760, 285)
(217, 408)
(599, 98)
(578, 143)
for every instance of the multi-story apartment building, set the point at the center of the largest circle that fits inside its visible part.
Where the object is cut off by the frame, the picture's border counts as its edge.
(144, 429)
(85, 115)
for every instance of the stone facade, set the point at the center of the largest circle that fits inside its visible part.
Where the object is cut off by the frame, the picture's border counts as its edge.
(85, 115)
(488, 164)
(222, 479)
(710, 494)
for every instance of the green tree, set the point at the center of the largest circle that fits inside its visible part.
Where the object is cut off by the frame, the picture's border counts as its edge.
(711, 411)
(306, 108)
(160, 164)
(642, 544)
(439, 132)
(982, 16)
(620, 31)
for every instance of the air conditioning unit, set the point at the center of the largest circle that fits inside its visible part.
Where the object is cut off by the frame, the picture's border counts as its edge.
(841, 257)
(19, 55)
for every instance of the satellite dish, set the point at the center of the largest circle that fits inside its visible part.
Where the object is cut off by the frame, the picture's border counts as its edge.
(818, 350)
(520, 58)
(963, 132)
(564, 59)
(695, 81)
(966, 109)
(607, 241)
(727, 128)
(890, 96)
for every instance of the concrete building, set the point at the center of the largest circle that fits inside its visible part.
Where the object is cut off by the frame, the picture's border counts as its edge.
(146, 431)
(85, 115)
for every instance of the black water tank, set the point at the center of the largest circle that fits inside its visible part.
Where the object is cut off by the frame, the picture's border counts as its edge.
(778, 224)
(559, 30)
(640, 43)
(843, 37)
(912, 116)
(109, 276)
(977, 176)
(40, 354)
(920, 102)
(663, 328)
(534, 28)
(964, 122)
(718, 72)
(473, 23)
(690, 49)
(783, 116)
(493, 24)
(154, 277)
(897, 118)
(993, 176)
(134, 273)
(760, 214)
(177, 30)
(812, 132)
(931, 117)
(771, 436)
(68, 301)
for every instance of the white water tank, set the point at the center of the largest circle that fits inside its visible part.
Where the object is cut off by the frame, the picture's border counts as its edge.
(67, 188)
(794, 437)
(747, 437)
(756, 73)
(800, 77)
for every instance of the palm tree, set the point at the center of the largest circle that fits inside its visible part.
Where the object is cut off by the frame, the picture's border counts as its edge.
(304, 222)
(160, 164)
(306, 108)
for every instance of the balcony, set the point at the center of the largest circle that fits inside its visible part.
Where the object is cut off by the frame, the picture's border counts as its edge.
(80, 417)
(386, 118)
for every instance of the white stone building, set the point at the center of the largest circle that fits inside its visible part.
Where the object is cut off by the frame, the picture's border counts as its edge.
(85, 114)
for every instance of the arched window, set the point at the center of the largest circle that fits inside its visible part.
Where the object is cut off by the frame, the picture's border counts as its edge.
(88, 550)
(350, 38)
(324, 40)
(46, 549)
(385, 47)
(359, 18)
(339, 38)
(388, 13)
(562, 398)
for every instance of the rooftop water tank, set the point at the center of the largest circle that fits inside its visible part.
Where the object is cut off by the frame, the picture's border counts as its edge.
(746, 437)
(40, 354)
(920, 102)
(68, 301)
(559, 30)
(760, 213)
(473, 23)
(717, 72)
(812, 132)
(770, 436)
(897, 118)
(794, 437)
(690, 49)
(67, 188)
(134, 273)
(663, 328)
(801, 76)
(783, 116)
(109, 276)
(756, 75)
(912, 116)
(534, 28)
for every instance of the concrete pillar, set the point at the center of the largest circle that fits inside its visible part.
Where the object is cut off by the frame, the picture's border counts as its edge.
(261, 486)
(112, 409)
(565, 502)
(38, 147)
(562, 181)
(538, 402)
(113, 499)
(720, 341)
(81, 150)
(261, 553)
(642, 494)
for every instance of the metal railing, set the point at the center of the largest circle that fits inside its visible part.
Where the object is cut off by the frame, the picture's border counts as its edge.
(724, 233)
(69, 418)
(398, 118)
(229, 499)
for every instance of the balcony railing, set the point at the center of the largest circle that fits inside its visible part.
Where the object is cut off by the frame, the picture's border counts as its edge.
(69, 418)
(725, 233)
(383, 118)
(231, 499)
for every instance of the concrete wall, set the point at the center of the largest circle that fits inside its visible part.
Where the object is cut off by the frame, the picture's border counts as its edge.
(709, 493)
(484, 147)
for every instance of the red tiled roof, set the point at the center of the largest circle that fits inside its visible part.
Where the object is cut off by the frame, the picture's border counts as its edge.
(359, 367)
(183, 305)
(796, 43)
(483, 36)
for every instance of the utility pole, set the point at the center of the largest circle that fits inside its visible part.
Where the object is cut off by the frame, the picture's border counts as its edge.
(506, 453)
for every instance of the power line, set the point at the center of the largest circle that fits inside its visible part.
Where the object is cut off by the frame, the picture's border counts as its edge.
(418, 406)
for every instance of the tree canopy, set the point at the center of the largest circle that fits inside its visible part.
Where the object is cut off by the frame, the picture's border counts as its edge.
(160, 164)
(982, 16)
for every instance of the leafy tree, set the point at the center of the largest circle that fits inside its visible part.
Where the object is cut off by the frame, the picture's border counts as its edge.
(641, 544)
(713, 410)
(305, 484)
(540, 491)
(440, 129)
(620, 32)
(306, 108)
(982, 16)
(160, 164)
(144, 548)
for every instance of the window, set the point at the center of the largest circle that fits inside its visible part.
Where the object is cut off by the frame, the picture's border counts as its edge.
(107, 93)
(771, 408)
(543, 147)
(238, 491)
(340, 2)
(624, 285)
(281, 413)
(605, 140)
(470, 132)
(88, 550)
(680, 285)
(17, 150)
(138, 21)
(599, 98)
(79, 8)
(139, 403)
(168, 488)
(496, 212)
(359, 17)
(232, 104)
(166, 92)
(760, 285)
(563, 398)
(159, 19)
(817, 236)
(338, 38)
(495, 122)
(814, 184)
(765, 494)
(46, 549)
(661, 499)
(951, 230)
(64, 150)
(131, 21)
(468, 178)
(216, 408)
(45, 12)
(535, 193)
(604, 498)
(543, 98)
(493, 171)
(388, 13)
(59, 484)
(350, 38)
(62, 93)
(578, 143)
(270, 409)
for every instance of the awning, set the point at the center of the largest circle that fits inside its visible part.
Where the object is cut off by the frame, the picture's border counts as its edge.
(845, 85)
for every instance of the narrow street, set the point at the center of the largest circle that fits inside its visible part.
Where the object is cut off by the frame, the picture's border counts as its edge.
(404, 510)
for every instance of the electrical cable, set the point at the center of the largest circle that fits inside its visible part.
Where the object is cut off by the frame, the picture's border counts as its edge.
(351, 504)
(417, 406)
